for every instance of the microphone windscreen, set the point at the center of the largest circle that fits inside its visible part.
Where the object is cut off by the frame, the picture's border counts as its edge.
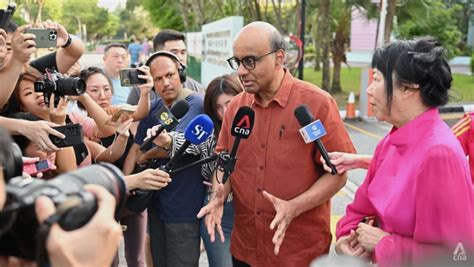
(303, 115)
(199, 129)
(180, 109)
(243, 122)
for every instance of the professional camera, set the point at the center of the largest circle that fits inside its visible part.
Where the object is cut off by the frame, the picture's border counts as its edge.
(75, 206)
(55, 82)
(12, 161)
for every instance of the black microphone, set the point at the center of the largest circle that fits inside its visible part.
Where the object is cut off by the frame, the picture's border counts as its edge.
(169, 119)
(304, 117)
(241, 128)
(197, 131)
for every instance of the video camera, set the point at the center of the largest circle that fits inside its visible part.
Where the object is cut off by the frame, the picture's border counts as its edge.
(75, 206)
(59, 85)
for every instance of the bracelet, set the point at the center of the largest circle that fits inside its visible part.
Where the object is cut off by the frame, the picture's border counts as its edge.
(68, 42)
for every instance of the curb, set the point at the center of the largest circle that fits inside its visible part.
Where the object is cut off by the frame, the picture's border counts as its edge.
(457, 109)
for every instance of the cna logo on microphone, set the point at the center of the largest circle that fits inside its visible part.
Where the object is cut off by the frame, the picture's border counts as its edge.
(243, 122)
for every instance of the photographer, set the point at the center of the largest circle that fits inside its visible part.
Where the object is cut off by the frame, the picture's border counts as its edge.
(15, 51)
(69, 50)
(94, 244)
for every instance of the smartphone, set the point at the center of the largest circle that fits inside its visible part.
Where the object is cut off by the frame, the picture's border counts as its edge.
(45, 38)
(73, 132)
(129, 77)
(40, 166)
(123, 110)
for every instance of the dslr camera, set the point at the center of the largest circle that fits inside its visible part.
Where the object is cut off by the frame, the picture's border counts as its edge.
(59, 85)
(19, 227)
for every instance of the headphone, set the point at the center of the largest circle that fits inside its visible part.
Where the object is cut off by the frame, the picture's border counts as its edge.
(181, 68)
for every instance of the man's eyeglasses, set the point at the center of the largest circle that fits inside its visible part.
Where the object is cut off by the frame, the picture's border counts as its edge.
(249, 62)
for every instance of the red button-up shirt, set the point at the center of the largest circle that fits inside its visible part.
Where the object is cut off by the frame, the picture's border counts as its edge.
(276, 159)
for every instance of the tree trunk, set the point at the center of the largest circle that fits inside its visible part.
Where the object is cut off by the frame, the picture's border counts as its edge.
(391, 8)
(257, 10)
(317, 44)
(339, 47)
(325, 34)
(184, 14)
(278, 16)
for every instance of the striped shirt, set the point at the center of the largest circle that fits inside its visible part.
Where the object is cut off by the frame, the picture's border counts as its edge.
(463, 130)
(204, 150)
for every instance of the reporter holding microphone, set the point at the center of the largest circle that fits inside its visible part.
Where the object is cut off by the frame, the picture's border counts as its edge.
(281, 193)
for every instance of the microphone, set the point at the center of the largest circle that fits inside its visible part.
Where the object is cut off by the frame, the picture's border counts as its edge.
(198, 130)
(168, 119)
(241, 128)
(312, 131)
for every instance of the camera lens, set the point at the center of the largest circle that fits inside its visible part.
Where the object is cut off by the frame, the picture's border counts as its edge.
(19, 217)
(13, 163)
(71, 86)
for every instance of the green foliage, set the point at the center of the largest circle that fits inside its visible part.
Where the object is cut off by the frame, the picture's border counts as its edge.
(437, 20)
(100, 22)
(165, 14)
(461, 90)
(137, 24)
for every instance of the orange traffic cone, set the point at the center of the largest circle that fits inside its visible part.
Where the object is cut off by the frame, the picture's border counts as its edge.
(350, 107)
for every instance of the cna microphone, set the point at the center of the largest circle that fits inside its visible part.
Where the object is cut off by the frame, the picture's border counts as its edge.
(198, 130)
(168, 119)
(312, 131)
(241, 128)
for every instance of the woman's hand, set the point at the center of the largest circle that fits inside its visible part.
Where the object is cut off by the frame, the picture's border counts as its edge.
(163, 140)
(346, 161)
(58, 114)
(123, 127)
(149, 179)
(348, 245)
(62, 35)
(369, 236)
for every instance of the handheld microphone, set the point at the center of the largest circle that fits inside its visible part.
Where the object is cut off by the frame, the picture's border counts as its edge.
(198, 130)
(241, 128)
(168, 119)
(312, 131)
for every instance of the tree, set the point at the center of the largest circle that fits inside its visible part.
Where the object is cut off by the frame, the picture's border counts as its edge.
(391, 8)
(437, 20)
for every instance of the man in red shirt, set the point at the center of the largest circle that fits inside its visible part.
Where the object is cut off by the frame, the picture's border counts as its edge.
(281, 192)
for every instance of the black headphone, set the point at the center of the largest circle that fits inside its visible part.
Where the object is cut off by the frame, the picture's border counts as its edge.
(181, 68)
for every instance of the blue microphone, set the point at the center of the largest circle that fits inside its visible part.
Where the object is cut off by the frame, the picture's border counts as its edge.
(198, 130)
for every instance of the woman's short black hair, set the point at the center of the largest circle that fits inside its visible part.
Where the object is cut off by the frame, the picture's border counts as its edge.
(419, 61)
(225, 84)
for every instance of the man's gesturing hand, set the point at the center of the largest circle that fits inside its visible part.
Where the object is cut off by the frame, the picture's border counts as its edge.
(284, 215)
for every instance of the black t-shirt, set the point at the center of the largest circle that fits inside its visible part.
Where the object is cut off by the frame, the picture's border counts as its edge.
(45, 62)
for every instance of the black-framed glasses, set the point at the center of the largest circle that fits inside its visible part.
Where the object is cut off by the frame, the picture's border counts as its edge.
(249, 62)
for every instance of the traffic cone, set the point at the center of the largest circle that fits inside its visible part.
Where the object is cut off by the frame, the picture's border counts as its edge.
(350, 107)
